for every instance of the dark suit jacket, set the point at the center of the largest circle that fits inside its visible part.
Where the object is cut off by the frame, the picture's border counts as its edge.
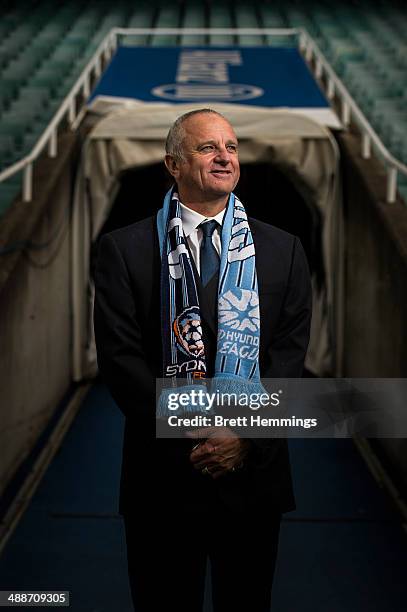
(128, 340)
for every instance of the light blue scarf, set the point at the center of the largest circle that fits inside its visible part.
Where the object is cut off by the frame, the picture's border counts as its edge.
(238, 341)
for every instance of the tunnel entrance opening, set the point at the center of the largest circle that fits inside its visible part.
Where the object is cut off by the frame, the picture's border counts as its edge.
(290, 178)
(267, 194)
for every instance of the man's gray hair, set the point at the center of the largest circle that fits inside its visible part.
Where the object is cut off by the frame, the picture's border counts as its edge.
(176, 135)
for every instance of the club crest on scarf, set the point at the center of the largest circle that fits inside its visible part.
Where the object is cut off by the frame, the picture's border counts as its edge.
(188, 331)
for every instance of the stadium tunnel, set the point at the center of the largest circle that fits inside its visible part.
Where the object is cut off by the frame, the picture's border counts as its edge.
(289, 178)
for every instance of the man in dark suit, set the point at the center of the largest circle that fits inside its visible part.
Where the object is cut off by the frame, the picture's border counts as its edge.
(223, 498)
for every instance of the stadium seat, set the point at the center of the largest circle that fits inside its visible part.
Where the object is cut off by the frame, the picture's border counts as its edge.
(14, 126)
(8, 91)
(139, 19)
(194, 17)
(169, 17)
(7, 149)
(220, 17)
(245, 17)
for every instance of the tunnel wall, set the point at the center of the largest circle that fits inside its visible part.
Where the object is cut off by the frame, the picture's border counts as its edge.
(376, 273)
(375, 336)
(35, 317)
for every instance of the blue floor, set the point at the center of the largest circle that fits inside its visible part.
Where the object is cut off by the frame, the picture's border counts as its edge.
(343, 550)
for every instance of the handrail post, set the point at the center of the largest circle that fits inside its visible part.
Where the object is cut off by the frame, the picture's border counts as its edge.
(391, 184)
(86, 86)
(331, 88)
(72, 111)
(308, 51)
(28, 183)
(113, 41)
(52, 145)
(366, 146)
(345, 112)
(98, 67)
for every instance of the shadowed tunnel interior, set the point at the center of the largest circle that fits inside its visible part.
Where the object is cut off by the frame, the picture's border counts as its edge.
(265, 191)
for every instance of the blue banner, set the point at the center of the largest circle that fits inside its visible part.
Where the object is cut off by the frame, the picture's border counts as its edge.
(261, 76)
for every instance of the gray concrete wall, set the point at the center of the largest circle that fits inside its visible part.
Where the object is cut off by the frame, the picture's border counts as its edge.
(376, 291)
(35, 324)
(375, 280)
(375, 271)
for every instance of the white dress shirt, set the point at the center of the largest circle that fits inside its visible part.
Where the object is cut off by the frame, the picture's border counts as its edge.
(190, 221)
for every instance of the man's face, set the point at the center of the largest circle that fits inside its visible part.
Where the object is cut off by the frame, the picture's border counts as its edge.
(210, 168)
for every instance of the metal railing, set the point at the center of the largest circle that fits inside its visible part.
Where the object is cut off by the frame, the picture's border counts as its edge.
(67, 109)
(334, 86)
(350, 111)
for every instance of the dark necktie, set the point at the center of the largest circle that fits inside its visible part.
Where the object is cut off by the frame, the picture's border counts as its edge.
(209, 258)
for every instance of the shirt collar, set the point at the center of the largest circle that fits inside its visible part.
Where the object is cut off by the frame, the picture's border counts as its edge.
(191, 219)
